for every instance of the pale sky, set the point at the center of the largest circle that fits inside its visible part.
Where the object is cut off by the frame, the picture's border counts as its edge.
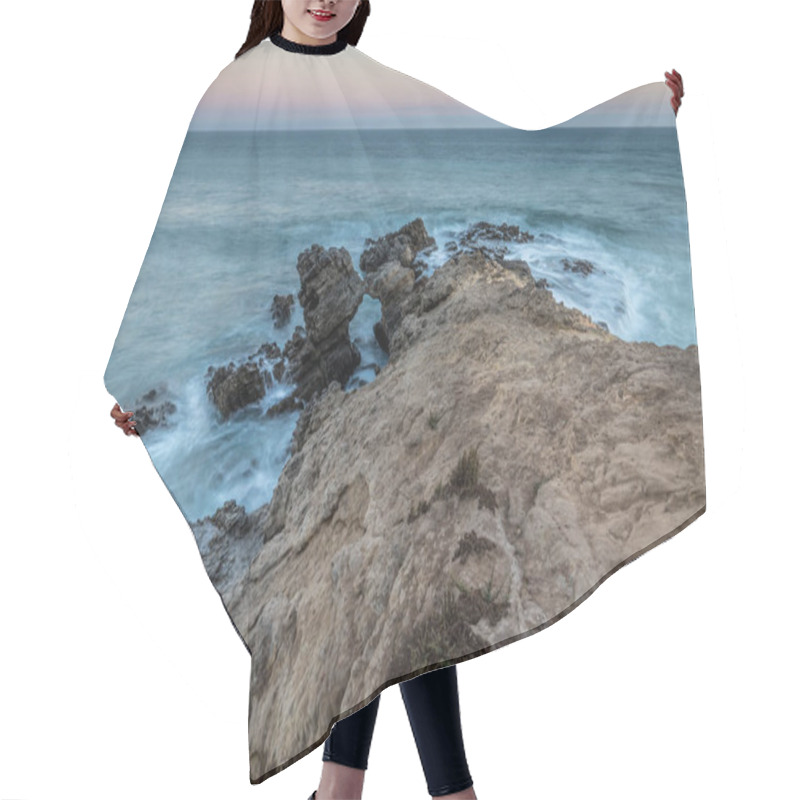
(269, 88)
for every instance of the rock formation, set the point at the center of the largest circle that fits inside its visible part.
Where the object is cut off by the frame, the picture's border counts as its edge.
(330, 293)
(392, 270)
(401, 246)
(153, 410)
(228, 541)
(510, 456)
(233, 387)
(281, 309)
(487, 238)
(579, 265)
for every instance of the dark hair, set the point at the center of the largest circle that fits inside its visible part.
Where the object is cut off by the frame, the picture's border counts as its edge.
(266, 18)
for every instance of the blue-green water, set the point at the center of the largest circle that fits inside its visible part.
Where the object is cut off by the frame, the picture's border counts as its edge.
(242, 205)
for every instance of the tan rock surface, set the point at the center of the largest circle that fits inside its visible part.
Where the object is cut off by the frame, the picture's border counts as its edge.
(509, 457)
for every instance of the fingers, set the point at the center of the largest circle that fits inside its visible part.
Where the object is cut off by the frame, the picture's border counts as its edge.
(124, 420)
(128, 426)
(676, 88)
(674, 81)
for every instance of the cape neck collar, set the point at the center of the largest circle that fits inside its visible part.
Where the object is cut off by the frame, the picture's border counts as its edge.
(308, 49)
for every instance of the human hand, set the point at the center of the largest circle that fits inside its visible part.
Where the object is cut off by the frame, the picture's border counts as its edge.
(675, 82)
(123, 420)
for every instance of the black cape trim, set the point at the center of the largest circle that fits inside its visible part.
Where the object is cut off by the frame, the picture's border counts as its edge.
(308, 49)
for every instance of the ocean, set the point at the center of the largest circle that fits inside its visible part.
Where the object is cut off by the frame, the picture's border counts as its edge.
(241, 206)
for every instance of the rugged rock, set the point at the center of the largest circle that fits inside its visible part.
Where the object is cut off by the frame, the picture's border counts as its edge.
(228, 541)
(579, 265)
(233, 387)
(487, 237)
(401, 245)
(268, 350)
(390, 284)
(281, 309)
(392, 273)
(330, 293)
(153, 410)
(286, 405)
(510, 456)
(240, 384)
(489, 231)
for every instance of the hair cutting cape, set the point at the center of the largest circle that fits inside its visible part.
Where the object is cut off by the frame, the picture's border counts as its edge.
(418, 380)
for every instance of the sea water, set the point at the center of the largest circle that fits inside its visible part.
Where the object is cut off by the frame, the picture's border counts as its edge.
(243, 205)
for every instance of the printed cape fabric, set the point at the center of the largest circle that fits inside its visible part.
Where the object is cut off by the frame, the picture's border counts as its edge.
(418, 380)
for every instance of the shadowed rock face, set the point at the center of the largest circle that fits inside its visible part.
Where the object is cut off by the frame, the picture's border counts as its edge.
(487, 238)
(391, 271)
(240, 384)
(233, 387)
(153, 410)
(509, 457)
(579, 265)
(228, 541)
(389, 283)
(401, 246)
(281, 309)
(330, 293)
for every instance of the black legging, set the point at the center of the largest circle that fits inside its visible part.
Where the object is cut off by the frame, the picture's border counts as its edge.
(431, 701)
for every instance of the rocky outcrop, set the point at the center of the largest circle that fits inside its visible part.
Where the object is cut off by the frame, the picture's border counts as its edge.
(228, 541)
(402, 246)
(390, 283)
(508, 458)
(579, 265)
(315, 355)
(233, 387)
(240, 384)
(281, 309)
(330, 293)
(153, 410)
(392, 272)
(487, 238)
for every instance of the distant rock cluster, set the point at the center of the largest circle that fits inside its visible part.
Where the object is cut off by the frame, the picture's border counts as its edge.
(320, 351)
(579, 265)
(153, 410)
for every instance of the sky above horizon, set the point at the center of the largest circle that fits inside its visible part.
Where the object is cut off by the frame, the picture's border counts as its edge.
(351, 90)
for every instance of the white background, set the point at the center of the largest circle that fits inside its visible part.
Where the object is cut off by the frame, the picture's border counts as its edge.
(120, 673)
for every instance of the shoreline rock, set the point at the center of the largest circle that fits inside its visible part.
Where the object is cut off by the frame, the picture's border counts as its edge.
(154, 410)
(330, 294)
(510, 454)
(578, 265)
(400, 246)
(232, 387)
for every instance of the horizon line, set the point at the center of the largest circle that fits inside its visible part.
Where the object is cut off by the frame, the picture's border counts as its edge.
(425, 128)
